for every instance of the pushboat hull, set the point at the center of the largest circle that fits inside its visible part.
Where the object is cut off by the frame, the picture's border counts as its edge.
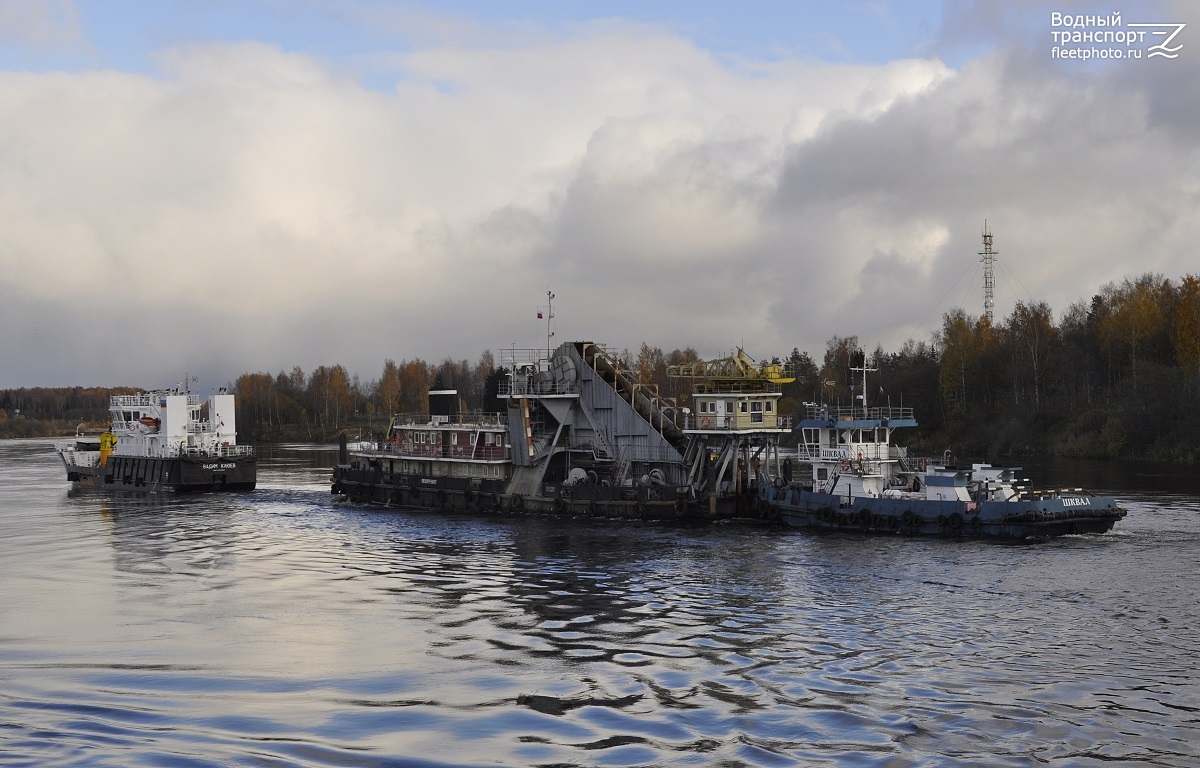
(1033, 518)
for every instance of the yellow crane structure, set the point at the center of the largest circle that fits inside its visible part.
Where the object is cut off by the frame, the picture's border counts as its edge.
(738, 370)
(735, 426)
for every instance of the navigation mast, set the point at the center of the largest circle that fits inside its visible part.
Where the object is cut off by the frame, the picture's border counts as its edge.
(549, 321)
(865, 370)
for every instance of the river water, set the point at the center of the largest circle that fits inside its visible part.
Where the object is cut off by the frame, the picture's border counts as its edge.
(278, 628)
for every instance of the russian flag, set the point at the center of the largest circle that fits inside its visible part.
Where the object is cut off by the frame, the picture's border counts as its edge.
(539, 315)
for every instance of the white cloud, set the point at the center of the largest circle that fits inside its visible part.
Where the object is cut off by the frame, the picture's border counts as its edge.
(263, 209)
(40, 23)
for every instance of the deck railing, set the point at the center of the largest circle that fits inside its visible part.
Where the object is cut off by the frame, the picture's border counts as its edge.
(716, 423)
(850, 413)
(470, 419)
(524, 385)
(220, 451)
(146, 399)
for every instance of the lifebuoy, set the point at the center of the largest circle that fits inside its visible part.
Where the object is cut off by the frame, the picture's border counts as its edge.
(845, 465)
(706, 421)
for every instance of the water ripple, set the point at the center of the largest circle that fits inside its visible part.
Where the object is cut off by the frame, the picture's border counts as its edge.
(281, 629)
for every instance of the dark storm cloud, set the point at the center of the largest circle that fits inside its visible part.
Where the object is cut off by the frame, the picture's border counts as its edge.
(1084, 178)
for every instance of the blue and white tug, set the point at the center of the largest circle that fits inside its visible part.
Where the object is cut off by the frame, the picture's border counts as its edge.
(847, 475)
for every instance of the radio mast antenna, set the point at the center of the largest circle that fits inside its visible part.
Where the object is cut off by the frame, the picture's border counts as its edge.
(988, 257)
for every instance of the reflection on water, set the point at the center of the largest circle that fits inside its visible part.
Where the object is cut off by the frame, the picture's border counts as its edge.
(278, 628)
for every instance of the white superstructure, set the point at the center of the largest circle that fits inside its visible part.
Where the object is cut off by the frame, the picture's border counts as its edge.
(168, 423)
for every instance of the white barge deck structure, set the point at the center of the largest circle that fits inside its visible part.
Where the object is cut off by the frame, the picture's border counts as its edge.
(164, 441)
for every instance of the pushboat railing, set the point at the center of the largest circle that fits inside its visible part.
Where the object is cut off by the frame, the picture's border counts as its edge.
(852, 413)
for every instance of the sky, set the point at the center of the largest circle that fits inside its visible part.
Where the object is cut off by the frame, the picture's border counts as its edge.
(214, 188)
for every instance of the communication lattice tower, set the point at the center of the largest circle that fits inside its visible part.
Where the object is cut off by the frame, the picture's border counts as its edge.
(988, 257)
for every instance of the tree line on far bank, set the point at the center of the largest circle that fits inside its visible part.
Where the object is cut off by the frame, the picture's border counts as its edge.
(1116, 375)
